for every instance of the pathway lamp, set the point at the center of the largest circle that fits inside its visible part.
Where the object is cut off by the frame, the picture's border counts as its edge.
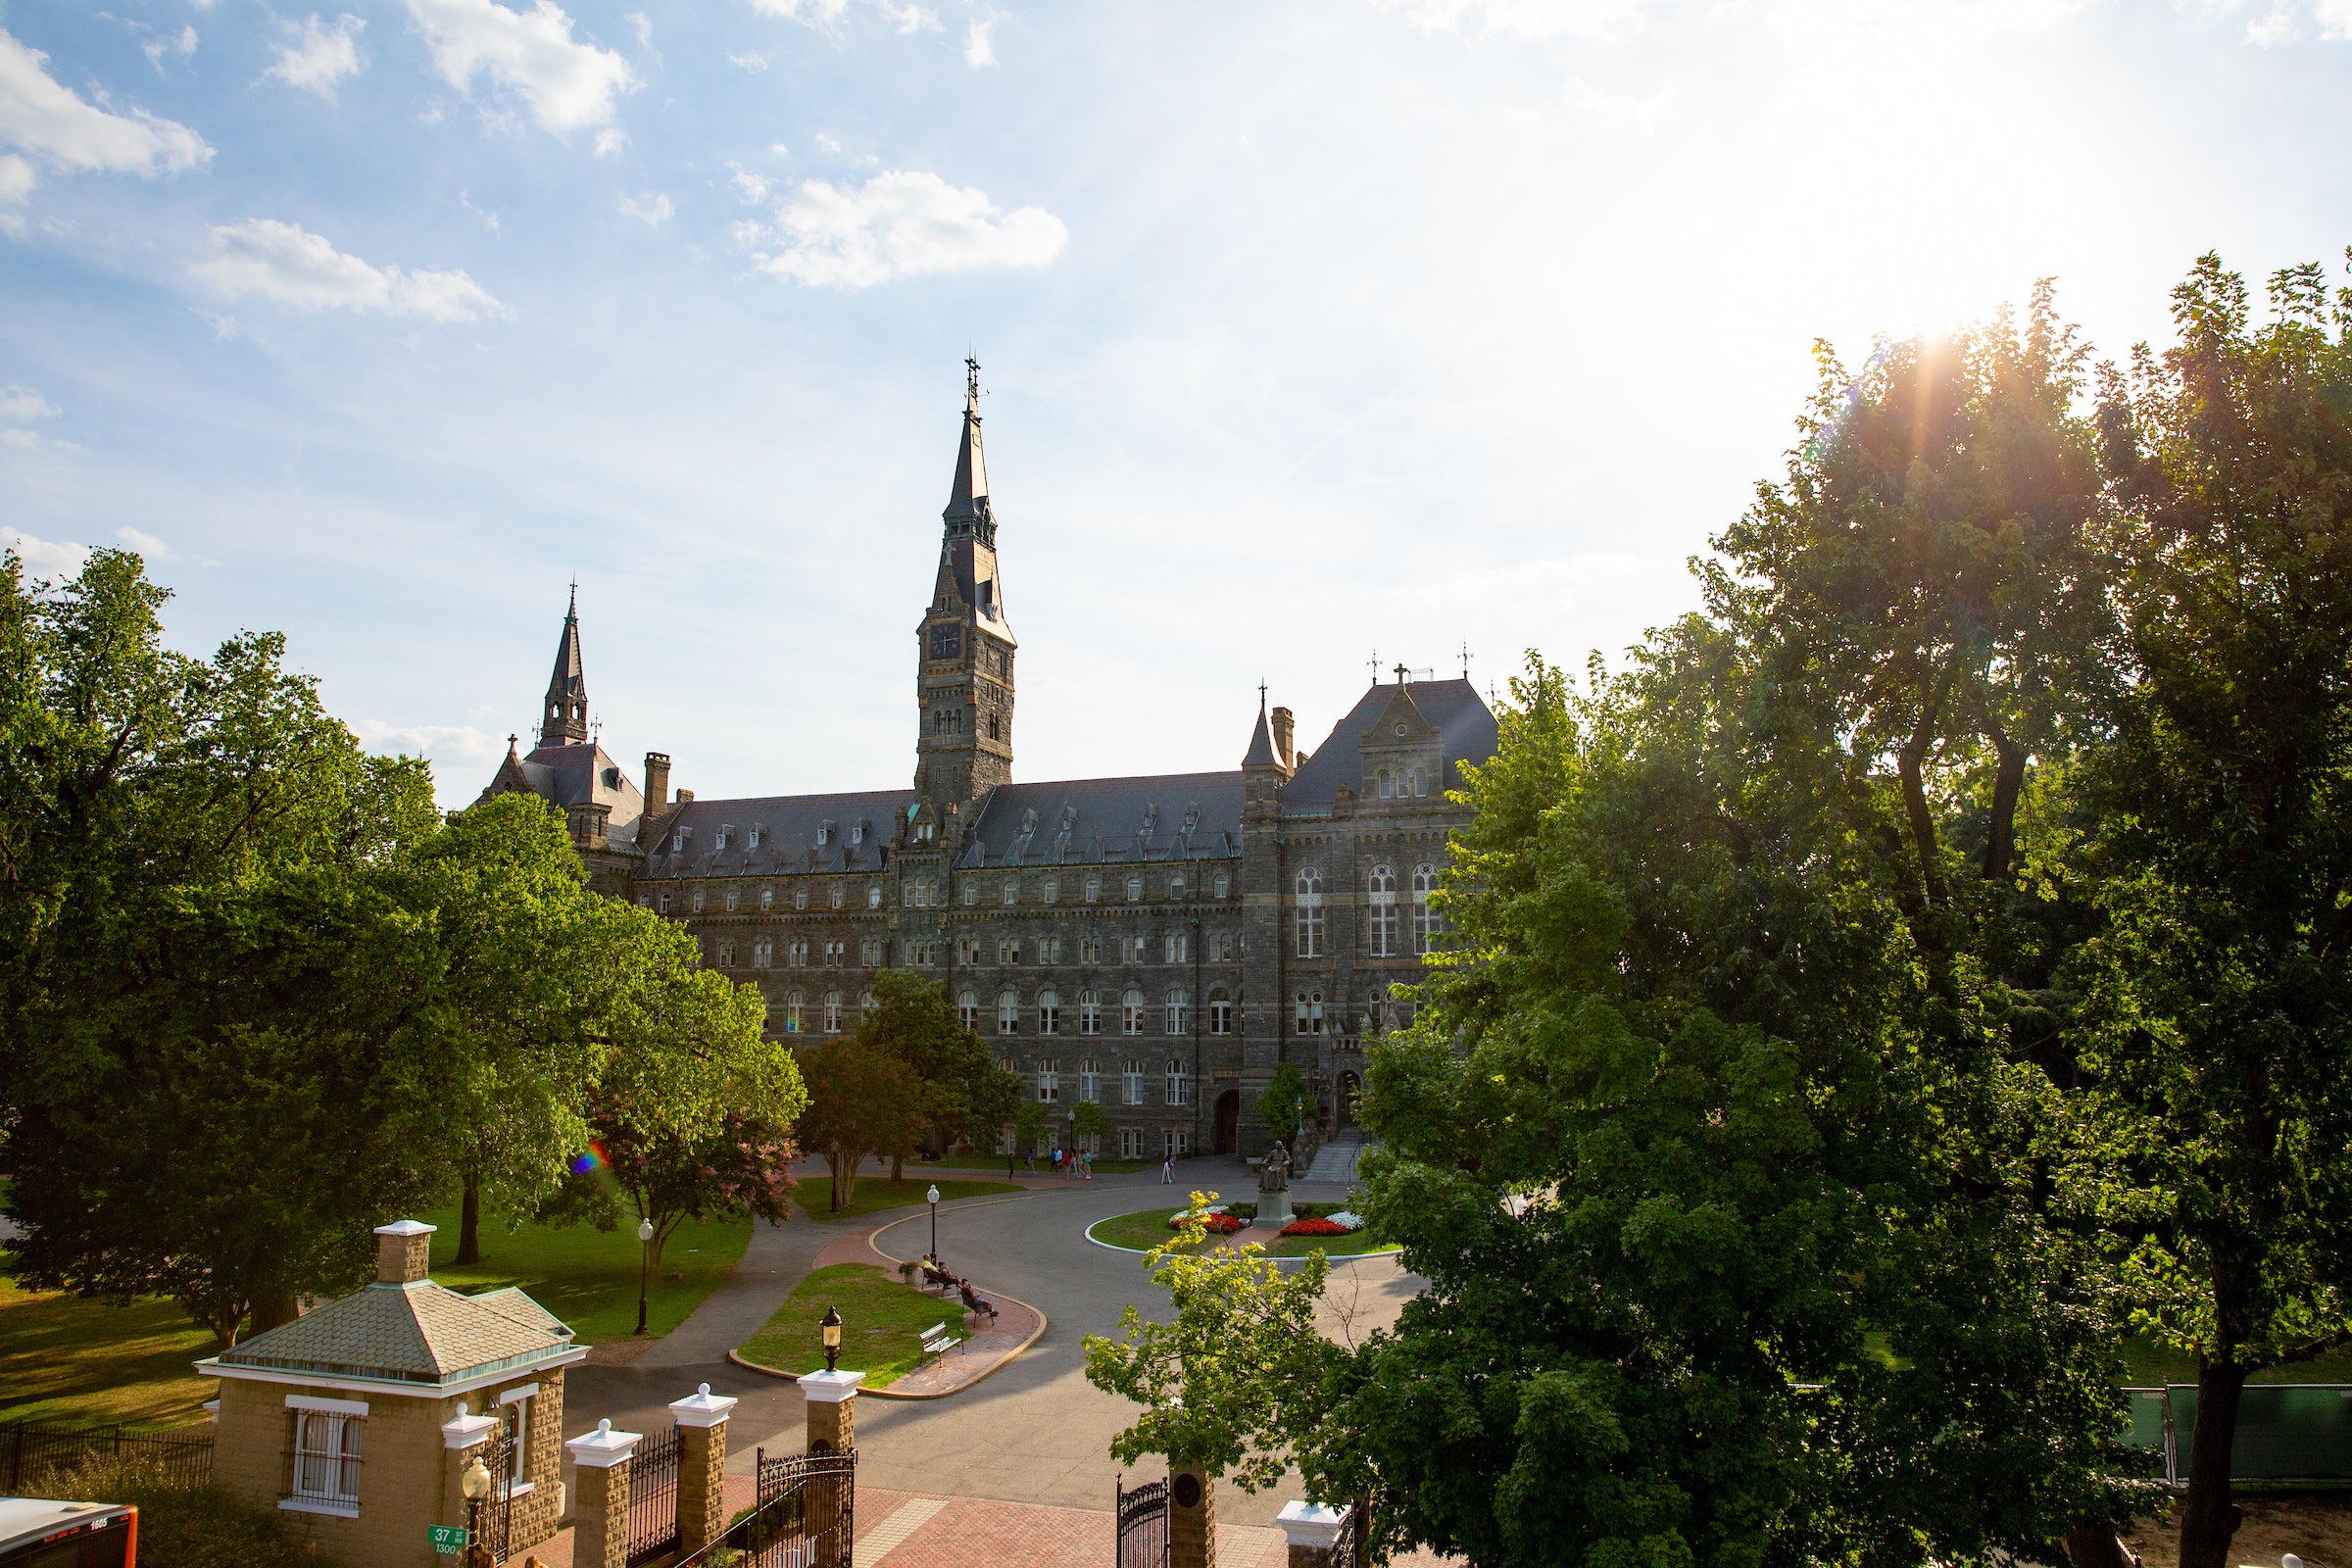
(474, 1483)
(932, 1198)
(829, 1330)
(645, 1266)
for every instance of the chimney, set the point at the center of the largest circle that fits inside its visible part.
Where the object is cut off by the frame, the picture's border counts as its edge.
(590, 824)
(403, 1251)
(1282, 737)
(656, 781)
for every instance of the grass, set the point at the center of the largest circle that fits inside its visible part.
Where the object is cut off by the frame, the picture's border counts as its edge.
(588, 1277)
(2147, 1365)
(882, 1324)
(876, 1193)
(1147, 1228)
(83, 1363)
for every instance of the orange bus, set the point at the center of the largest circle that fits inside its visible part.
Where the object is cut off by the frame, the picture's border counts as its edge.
(43, 1533)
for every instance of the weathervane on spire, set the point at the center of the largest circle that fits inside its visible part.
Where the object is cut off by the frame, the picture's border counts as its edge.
(574, 608)
(971, 381)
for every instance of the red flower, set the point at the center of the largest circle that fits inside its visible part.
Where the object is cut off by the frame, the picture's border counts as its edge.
(1214, 1224)
(1314, 1227)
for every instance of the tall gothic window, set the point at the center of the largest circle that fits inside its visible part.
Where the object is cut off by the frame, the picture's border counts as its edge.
(1131, 1011)
(1049, 1012)
(1090, 1080)
(1306, 1012)
(1131, 1082)
(832, 1012)
(1048, 1079)
(1308, 918)
(1090, 1012)
(1180, 1081)
(1008, 1012)
(1180, 1012)
(969, 1004)
(1220, 1013)
(1426, 925)
(795, 1005)
(1381, 924)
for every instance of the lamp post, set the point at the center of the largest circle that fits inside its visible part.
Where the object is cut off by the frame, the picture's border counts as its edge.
(829, 1328)
(932, 1198)
(645, 1266)
(474, 1483)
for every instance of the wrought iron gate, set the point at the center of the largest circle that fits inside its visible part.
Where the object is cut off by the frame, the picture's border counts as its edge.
(805, 1515)
(653, 1497)
(1143, 1516)
(494, 1520)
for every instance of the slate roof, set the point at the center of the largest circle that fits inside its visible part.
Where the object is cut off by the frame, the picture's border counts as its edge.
(1110, 820)
(421, 1333)
(1261, 741)
(788, 826)
(1465, 724)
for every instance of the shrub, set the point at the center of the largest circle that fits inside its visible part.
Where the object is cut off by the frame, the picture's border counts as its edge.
(1215, 1224)
(1315, 1225)
(188, 1526)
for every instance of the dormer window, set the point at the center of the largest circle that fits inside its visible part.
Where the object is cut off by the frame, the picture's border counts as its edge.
(721, 842)
(824, 834)
(857, 834)
(677, 842)
(753, 842)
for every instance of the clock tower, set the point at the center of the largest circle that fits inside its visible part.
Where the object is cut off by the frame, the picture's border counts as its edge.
(964, 654)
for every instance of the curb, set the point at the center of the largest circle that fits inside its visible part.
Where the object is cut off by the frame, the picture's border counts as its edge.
(1328, 1258)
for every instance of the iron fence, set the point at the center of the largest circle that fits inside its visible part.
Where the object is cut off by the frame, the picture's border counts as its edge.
(1143, 1522)
(30, 1453)
(653, 1497)
(804, 1516)
(493, 1519)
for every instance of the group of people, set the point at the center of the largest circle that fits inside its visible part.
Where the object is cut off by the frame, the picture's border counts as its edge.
(1075, 1164)
(974, 1302)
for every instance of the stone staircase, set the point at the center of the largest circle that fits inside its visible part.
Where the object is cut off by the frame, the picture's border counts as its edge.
(1336, 1160)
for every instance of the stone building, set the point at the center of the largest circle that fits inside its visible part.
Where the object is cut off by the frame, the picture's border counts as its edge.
(1155, 944)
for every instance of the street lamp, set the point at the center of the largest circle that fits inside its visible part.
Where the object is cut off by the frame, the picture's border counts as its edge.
(645, 1266)
(829, 1328)
(932, 1198)
(474, 1483)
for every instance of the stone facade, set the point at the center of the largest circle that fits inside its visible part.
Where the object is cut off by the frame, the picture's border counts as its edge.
(1158, 944)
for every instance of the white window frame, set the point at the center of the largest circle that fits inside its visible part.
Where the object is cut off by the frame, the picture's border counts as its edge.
(1180, 1008)
(1008, 1012)
(1090, 1012)
(969, 1004)
(1131, 1010)
(1220, 1013)
(1383, 931)
(1180, 1082)
(1308, 918)
(1131, 1082)
(329, 1441)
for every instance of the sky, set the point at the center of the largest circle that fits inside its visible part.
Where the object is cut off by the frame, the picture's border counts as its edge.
(1318, 335)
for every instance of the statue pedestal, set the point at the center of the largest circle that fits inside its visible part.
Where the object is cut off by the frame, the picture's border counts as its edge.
(1274, 1208)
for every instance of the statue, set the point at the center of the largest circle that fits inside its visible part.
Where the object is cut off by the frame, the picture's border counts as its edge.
(1275, 1175)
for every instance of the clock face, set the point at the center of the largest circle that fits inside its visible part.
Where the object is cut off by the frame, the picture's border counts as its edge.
(947, 640)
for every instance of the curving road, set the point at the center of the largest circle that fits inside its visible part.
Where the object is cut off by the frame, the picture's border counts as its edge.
(1035, 1431)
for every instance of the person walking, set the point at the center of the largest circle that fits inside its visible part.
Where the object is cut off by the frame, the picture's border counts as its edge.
(1009, 1158)
(1168, 1167)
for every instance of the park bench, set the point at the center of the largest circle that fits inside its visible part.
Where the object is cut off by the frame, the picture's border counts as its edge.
(975, 1304)
(937, 1278)
(937, 1340)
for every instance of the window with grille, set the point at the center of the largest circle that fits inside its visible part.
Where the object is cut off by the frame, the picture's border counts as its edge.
(800, 897)
(768, 899)
(1308, 915)
(969, 1004)
(1090, 1080)
(326, 1458)
(1381, 925)
(1051, 891)
(734, 895)
(1176, 888)
(695, 904)
(1131, 1142)
(1135, 890)
(1090, 950)
(763, 954)
(1012, 889)
(839, 895)
(1177, 946)
(794, 1005)
(726, 955)
(1094, 889)
(515, 1416)
(1224, 885)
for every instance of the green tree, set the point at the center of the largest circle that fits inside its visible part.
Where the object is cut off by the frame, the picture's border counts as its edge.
(1283, 1106)
(1087, 1121)
(741, 1166)
(2220, 846)
(863, 1100)
(962, 1089)
(1029, 1124)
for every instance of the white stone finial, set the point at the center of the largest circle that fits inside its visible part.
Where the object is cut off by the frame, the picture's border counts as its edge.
(704, 1388)
(606, 1425)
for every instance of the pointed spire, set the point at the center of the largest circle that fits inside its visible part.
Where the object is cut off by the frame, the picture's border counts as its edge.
(564, 715)
(967, 509)
(1261, 741)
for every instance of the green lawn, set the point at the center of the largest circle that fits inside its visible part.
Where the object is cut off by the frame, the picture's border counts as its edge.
(1147, 1228)
(882, 1324)
(2147, 1365)
(82, 1363)
(875, 1193)
(588, 1277)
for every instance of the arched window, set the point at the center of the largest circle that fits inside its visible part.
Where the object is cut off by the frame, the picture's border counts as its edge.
(1308, 916)
(795, 1005)
(1177, 945)
(1131, 1011)
(1426, 925)
(967, 1003)
(1220, 1012)
(1050, 890)
(972, 893)
(1380, 916)
(1048, 1079)
(1090, 1080)
(867, 1006)
(1135, 890)
(1090, 1012)
(873, 897)
(1131, 1082)
(696, 903)
(768, 899)
(1384, 783)
(1420, 782)
(1012, 889)
(1049, 1012)
(1180, 1081)
(840, 894)
(734, 897)
(1008, 1012)
(800, 897)
(832, 1012)
(1176, 888)
(1224, 885)
(1306, 1012)
(1093, 890)
(763, 953)
(1180, 1012)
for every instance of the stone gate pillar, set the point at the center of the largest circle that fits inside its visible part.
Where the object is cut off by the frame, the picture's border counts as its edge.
(1191, 1517)
(599, 1530)
(1312, 1532)
(832, 1399)
(702, 1419)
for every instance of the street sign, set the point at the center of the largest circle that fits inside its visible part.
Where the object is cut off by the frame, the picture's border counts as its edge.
(448, 1540)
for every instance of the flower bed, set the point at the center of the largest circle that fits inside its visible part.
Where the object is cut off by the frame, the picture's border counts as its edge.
(1316, 1225)
(1214, 1224)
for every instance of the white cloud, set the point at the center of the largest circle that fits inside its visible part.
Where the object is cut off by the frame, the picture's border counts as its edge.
(489, 219)
(749, 187)
(902, 223)
(910, 18)
(644, 26)
(978, 50)
(653, 209)
(45, 558)
(288, 263)
(1641, 112)
(611, 140)
(1525, 18)
(828, 143)
(2281, 21)
(568, 86)
(183, 46)
(320, 55)
(53, 125)
(442, 743)
(809, 13)
(749, 61)
(153, 549)
(19, 401)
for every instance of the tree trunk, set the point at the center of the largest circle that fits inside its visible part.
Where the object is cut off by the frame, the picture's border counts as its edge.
(2009, 777)
(2208, 1519)
(898, 1167)
(2092, 1544)
(1908, 765)
(469, 1222)
(273, 1309)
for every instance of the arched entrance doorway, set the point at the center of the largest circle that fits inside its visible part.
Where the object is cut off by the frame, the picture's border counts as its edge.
(1229, 1122)
(1351, 1087)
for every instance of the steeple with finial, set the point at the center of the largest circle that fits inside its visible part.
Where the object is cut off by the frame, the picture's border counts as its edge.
(965, 660)
(563, 717)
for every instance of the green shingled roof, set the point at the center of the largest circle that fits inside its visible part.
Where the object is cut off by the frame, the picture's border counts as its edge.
(420, 1333)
